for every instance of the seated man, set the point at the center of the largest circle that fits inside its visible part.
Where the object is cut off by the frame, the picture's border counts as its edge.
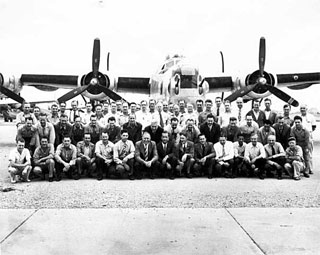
(239, 168)
(185, 150)
(123, 155)
(43, 159)
(85, 156)
(255, 157)
(146, 157)
(275, 156)
(66, 155)
(295, 162)
(167, 156)
(204, 157)
(104, 157)
(19, 162)
(224, 157)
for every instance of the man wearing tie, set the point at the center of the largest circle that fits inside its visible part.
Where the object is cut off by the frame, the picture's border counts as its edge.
(185, 150)
(146, 157)
(74, 112)
(167, 156)
(204, 157)
(224, 157)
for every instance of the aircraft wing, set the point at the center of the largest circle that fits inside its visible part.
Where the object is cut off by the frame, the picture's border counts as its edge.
(41, 81)
(298, 80)
(219, 84)
(133, 85)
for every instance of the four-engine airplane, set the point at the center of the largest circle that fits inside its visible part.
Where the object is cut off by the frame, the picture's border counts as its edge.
(176, 79)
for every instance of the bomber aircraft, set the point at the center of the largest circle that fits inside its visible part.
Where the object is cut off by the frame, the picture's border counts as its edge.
(176, 79)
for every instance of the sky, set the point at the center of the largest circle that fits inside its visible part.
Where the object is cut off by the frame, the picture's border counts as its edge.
(56, 36)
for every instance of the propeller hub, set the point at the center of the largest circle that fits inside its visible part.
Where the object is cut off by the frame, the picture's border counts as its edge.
(262, 80)
(94, 81)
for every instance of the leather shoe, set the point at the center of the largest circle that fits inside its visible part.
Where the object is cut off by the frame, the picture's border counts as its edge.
(310, 172)
(99, 177)
(306, 175)
(50, 179)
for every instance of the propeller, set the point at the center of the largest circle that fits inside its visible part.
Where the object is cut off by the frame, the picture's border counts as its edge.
(261, 81)
(11, 94)
(95, 80)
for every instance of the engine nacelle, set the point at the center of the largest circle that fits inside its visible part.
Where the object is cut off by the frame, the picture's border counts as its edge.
(10, 82)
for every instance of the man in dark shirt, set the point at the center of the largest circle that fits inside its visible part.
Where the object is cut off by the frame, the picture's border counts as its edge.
(62, 129)
(77, 131)
(112, 130)
(210, 129)
(155, 131)
(134, 129)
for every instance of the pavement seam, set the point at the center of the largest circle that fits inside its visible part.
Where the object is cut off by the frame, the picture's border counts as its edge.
(251, 238)
(16, 228)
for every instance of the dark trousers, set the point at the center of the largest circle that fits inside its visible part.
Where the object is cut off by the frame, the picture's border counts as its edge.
(260, 164)
(59, 170)
(140, 169)
(270, 167)
(164, 171)
(102, 167)
(207, 168)
(225, 170)
(239, 167)
(125, 169)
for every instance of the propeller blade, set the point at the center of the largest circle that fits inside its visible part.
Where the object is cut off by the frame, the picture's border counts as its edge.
(73, 93)
(96, 58)
(11, 94)
(282, 95)
(240, 93)
(108, 61)
(114, 96)
(262, 55)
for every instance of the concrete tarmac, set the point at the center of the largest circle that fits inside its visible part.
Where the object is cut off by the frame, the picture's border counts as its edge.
(160, 231)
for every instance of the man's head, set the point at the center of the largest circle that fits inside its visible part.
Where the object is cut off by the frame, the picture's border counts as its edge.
(133, 107)
(210, 119)
(113, 107)
(176, 109)
(218, 101)
(271, 140)
(146, 138)
(165, 137)
(112, 121)
(254, 139)
(190, 124)
(119, 106)
(189, 108)
(105, 137)
(144, 105)
(298, 121)
(63, 119)
(125, 108)
(267, 103)
(222, 139)
(77, 121)
(286, 109)
(154, 125)
(182, 105)
(132, 118)
(124, 135)
(66, 141)
(174, 122)
(239, 102)
(152, 105)
(88, 107)
(26, 108)
(267, 124)
(87, 138)
(159, 107)
(233, 121)
(29, 122)
(44, 142)
(249, 120)
(20, 144)
(62, 106)
(303, 109)
(98, 109)
(93, 120)
(171, 107)
(36, 111)
(199, 104)
(54, 109)
(105, 107)
(256, 105)
(202, 139)
(292, 142)
(208, 104)
(227, 106)
(183, 137)
(240, 137)
(74, 105)
(165, 106)
(280, 120)
(43, 119)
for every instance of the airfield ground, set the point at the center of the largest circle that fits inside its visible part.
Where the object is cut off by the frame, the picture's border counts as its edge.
(197, 216)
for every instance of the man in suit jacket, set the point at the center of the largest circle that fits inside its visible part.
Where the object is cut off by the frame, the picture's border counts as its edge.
(204, 156)
(185, 150)
(257, 115)
(210, 129)
(270, 114)
(155, 131)
(146, 156)
(167, 156)
(282, 132)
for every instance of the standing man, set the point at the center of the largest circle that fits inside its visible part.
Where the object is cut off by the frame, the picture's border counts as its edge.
(255, 157)
(94, 129)
(19, 162)
(282, 131)
(257, 115)
(240, 115)
(134, 128)
(123, 155)
(62, 129)
(270, 114)
(167, 156)
(265, 131)
(155, 131)
(146, 157)
(113, 113)
(224, 157)
(218, 108)
(45, 129)
(85, 157)
(104, 157)
(174, 130)
(204, 155)
(143, 116)
(286, 115)
(248, 129)
(232, 130)
(74, 112)
(208, 111)
(225, 116)
(99, 115)
(87, 114)
(29, 134)
(66, 155)
(77, 131)
(124, 115)
(54, 117)
(199, 110)
(113, 130)
(43, 159)
(239, 166)
(210, 129)
(26, 113)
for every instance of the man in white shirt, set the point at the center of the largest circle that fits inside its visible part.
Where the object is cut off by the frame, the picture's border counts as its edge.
(87, 114)
(143, 116)
(255, 157)
(224, 157)
(19, 162)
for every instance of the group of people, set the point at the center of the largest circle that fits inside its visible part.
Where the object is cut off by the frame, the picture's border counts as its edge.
(160, 139)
